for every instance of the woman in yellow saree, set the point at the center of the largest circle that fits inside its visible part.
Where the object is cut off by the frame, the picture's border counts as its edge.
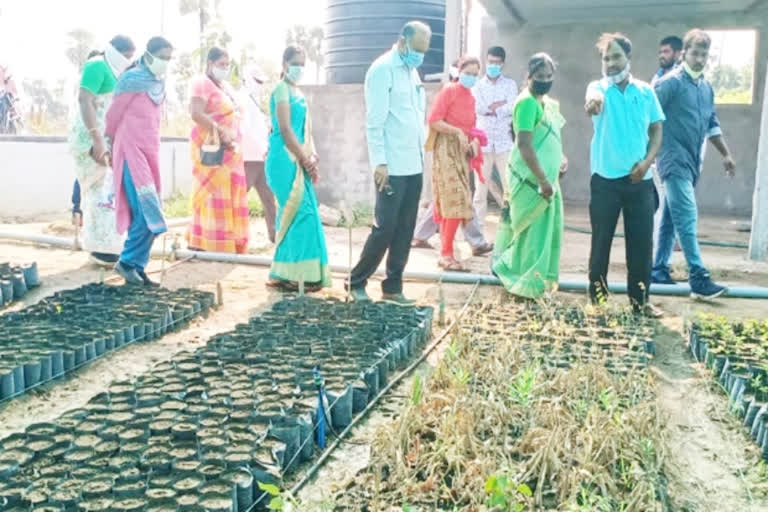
(220, 216)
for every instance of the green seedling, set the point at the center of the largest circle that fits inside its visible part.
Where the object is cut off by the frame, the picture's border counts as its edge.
(279, 501)
(521, 390)
(505, 494)
(416, 391)
(461, 375)
(608, 400)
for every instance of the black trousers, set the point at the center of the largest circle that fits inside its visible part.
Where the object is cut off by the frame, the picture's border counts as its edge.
(395, 220)
(636, 202)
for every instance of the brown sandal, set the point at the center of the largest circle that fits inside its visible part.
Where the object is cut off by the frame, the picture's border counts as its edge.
(451, 265)
(420, 244)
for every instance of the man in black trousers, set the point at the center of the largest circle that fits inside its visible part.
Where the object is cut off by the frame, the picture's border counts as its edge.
(627, 120)
(395, 104)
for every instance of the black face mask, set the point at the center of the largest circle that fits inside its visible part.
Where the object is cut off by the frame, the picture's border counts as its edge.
(540, 88)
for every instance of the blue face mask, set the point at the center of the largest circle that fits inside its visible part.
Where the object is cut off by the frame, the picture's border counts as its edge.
(493, 70)
(294, 73)
(467, 80)
(412, 58)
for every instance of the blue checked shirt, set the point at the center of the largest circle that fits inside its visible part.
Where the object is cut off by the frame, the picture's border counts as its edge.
(691, 119)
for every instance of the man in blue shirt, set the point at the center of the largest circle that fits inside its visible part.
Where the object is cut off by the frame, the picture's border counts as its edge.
(395, 104)
(670, 49)
(627, 123)
(689, 104)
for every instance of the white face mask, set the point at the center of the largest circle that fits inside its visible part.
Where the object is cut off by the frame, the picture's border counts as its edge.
(158, 67)
(116, 61)
(693, 74)
(219, 74)
(620, 76)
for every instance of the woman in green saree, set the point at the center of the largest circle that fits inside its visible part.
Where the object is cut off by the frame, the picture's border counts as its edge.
(526, 256)
(291, 169)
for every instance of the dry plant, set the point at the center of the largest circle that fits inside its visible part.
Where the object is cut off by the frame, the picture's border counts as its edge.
(495, 430)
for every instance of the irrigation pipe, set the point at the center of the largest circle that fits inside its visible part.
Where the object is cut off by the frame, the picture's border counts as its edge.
(679, 290)
(316, 466)
(157, 271)
(711, 243)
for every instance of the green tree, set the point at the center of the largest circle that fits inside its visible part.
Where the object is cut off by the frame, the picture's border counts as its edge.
(184, 69)
(310, 39)
(205, 10)
(80, 44)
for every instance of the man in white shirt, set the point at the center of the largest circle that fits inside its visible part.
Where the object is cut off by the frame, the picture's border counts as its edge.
(255, 143)
(495, 95)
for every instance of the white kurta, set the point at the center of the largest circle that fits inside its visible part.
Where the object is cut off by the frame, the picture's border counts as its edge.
(255, 130)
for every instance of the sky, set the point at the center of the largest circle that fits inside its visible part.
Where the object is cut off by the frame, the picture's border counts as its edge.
(738, 47)
(33, 33)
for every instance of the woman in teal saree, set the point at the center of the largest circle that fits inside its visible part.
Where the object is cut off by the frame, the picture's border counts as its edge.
(291, 168)
(527, 251)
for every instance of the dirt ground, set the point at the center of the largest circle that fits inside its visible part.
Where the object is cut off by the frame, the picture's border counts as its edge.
(711, 453)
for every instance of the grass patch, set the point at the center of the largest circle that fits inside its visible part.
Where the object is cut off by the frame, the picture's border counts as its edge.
(180, 205)
(255, 208)
(362, 216)
(177, 206)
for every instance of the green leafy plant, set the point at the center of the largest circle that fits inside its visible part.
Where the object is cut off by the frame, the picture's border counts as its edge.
(608, 399)
(279, 501)
(521, 390)
(461, 375)
(504, 493)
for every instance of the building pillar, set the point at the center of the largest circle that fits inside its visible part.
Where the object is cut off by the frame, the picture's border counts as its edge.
(758, 241)
(454, 21)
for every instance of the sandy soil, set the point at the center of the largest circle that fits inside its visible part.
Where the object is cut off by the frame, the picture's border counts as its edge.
(709, 449)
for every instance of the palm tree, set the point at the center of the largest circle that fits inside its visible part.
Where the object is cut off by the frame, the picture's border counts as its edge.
(205, 10)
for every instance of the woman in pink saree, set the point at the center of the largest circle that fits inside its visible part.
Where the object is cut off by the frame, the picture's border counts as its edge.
(133, 129)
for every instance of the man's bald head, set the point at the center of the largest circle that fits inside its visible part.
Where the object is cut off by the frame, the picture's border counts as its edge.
(417, 34)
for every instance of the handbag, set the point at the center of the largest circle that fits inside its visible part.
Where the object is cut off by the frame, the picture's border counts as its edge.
(212, 150)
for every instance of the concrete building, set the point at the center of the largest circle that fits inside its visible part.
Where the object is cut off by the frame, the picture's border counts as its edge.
(568, 30)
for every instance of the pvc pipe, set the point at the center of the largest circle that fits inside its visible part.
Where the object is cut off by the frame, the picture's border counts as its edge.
(56, 241)
(710, 243)
(681, 290)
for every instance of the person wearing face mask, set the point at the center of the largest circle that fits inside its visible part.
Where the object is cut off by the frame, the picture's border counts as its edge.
(94, 179)
(451, 121)
(627, 120)
(395, 103)
(494, 95)
(292, 169)
(220, 216)
(426, 226)
(529, 238)
(255, 143)
(133, 133)
(688, 101)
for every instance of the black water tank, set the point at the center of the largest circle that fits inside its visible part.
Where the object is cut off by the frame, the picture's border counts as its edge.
(358, 31)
